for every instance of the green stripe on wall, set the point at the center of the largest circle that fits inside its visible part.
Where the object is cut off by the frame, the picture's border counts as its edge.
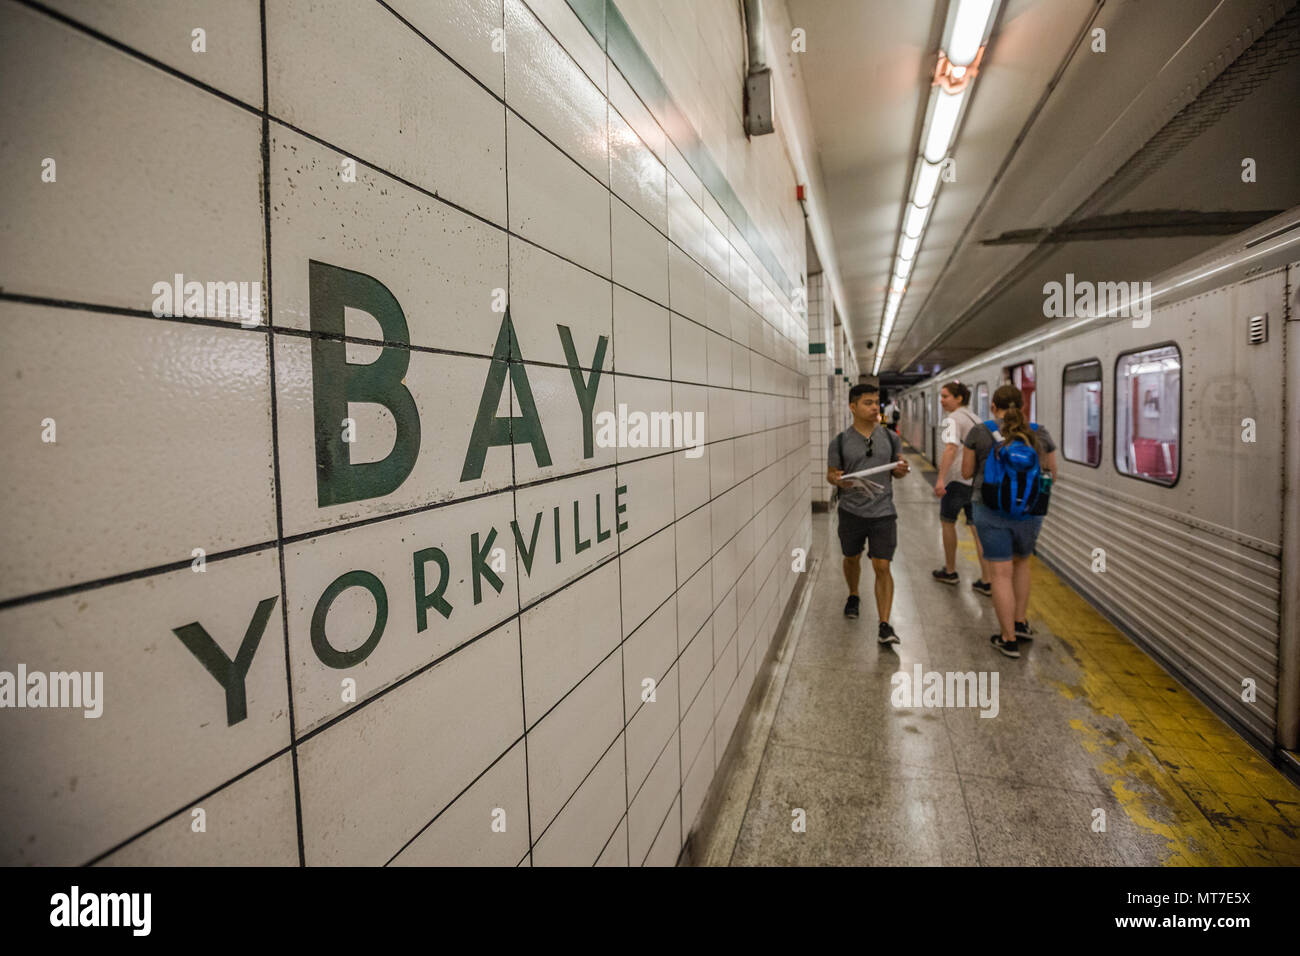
(816, 348)
(604, 22)
(839, 371)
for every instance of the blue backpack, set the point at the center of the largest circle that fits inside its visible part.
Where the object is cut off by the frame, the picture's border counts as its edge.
(1012, 476)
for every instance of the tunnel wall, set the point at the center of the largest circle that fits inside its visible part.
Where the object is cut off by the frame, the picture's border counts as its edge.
(368, 585)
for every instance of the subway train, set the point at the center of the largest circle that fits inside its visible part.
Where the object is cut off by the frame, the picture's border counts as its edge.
(1176, 510)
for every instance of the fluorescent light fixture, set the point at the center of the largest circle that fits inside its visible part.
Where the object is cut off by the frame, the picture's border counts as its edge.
(968, 29)
(907, 247)
(942, 123)
(897, 285)
(903, 268)
(914, 221)
(927, 182)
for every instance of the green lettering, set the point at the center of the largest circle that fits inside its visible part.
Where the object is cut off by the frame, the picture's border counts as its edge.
(336, 382)
(527, 552)
(579, 545)
(600, 536)
(489, 431)
(329, 656)
(620, 507)
(586, 391)
(229, 673)
(481, 567)
(435, 600)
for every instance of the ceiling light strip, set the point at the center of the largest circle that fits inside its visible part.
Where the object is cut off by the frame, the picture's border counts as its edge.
(965, 34)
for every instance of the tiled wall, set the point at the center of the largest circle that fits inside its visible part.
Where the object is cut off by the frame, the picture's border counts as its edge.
(350, 671)
(821, 378)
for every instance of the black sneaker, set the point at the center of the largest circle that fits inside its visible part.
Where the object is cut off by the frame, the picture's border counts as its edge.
(851, 606)
(983, 587)
(887, 635)
(1023, 631)
(940, 574)
(1009, 648)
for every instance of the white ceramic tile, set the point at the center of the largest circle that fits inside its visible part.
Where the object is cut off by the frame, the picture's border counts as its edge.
(650, 729)
(571, 739)
(687, 286)
(583, 540)
(695, 785)
(372, 781)
(581, 831)
(554, 203)
(463, 30)
(563, 24)
(179, 409)
(650, 496)
(648, 577)
(630, 107)
(694, 605)
(333, 618)
(694, 541)
(548, 89)
(231, 58)
(690, 481)
(719, 352)
(648, 654)
(547, 292)
(650, 806)
(640, 253)
(643, 395)
(250, 822)
(122, 214)
(359, 78)
(568, 445)
(442, 266)
(641, 343)
(566, 636)
(486, 826)
(446, 392)
(695, 667)
(76, 786)
(615, 852)
(690, 361)
(667, 845)
(636, 175)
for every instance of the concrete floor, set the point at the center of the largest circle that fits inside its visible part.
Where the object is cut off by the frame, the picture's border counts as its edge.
(1087, 722)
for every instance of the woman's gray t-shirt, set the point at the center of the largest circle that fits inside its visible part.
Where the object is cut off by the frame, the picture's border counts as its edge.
(980, 439)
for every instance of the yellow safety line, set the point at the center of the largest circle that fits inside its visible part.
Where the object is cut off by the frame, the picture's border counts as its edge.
(1177, 770)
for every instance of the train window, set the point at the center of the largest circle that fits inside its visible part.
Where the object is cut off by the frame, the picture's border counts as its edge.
(1081, 413)
(982, 402)
(1148, 412)
(1022, 377)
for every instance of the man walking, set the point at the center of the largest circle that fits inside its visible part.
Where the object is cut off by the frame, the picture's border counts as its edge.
(865, 518)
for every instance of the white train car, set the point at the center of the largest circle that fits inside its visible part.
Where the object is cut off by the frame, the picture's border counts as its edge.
(1179, 458)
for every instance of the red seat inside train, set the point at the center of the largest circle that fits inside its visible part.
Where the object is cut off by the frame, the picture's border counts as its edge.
(1155, 459)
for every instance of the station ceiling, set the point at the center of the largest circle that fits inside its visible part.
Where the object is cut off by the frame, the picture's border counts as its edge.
(1109, 165)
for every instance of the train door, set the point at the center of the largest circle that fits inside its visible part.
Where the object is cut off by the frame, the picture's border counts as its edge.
(1022, 377)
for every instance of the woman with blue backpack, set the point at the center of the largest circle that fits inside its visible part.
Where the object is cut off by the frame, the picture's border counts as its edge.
(1012, 463)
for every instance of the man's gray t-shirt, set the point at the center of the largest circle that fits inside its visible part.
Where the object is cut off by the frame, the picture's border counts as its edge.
(856, 459)
(980, 439)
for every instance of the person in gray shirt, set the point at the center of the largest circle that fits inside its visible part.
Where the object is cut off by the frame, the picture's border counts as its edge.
(866, 518)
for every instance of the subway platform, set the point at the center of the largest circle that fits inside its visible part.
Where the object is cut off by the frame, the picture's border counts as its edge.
(1095, 757)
